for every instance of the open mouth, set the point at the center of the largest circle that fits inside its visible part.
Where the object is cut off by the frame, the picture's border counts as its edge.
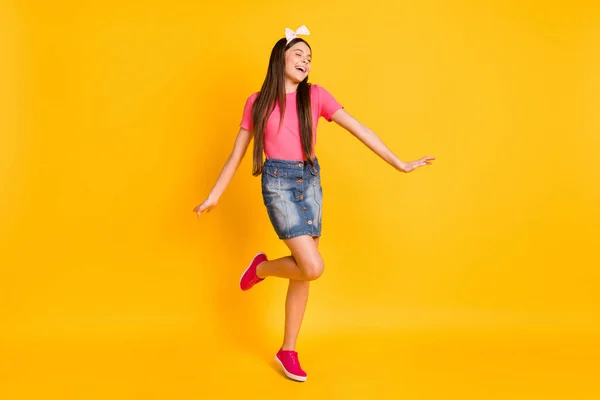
(301, 69)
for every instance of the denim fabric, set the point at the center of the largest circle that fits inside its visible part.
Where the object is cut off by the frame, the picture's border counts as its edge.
(293, 196)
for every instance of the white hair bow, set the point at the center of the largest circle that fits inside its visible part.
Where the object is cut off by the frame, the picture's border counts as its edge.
(290, 34)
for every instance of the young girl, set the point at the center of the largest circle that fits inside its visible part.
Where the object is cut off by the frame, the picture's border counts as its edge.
(282, 119)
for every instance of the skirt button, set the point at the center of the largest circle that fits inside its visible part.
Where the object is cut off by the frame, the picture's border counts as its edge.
(309, 222)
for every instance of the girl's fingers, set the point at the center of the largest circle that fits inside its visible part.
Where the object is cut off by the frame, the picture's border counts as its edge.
(206, 208)
(199, 209)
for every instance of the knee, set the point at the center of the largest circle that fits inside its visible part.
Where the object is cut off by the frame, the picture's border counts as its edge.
(313, 270)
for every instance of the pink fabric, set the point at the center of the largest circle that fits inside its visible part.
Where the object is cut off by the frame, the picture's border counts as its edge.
(288, 359)
(249, 278)
(286, 144)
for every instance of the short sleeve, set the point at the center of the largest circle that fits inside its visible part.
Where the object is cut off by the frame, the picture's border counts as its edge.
(247, 115)
(328, 105)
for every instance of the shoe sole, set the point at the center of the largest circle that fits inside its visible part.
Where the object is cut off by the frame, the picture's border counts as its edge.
(248, 267)
(289, 375)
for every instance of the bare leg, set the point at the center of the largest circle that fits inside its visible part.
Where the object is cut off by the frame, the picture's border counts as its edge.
(295, 305)
(284, 267)
(305, 263)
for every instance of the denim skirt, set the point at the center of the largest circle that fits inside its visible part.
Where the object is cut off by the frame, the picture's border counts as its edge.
(293, 196)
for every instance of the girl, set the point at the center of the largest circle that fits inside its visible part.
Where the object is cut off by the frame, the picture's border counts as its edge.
(282, 119)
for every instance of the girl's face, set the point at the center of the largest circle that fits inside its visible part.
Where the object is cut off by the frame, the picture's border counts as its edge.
(297, 62)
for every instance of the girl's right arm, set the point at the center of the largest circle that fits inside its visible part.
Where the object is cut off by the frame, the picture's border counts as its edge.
(231, 165)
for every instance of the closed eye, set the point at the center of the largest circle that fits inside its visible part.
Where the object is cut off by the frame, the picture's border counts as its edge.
(308, 59)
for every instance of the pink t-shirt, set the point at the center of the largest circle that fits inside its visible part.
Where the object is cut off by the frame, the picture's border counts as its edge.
(285, 144)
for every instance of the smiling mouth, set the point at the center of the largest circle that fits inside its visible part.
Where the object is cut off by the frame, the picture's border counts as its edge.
(301, 69)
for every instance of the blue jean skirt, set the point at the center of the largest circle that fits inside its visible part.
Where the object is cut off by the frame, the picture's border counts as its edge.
(293, 196)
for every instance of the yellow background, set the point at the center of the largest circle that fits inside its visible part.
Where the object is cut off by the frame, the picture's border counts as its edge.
(476, 277)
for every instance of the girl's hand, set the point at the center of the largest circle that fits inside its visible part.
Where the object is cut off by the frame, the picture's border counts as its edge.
(206, 205)
(412, 165)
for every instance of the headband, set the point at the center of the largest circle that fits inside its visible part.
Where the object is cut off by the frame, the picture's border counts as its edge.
(290, 34)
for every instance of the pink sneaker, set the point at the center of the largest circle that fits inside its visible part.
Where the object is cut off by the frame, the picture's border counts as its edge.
(291, 366)
(249, 277)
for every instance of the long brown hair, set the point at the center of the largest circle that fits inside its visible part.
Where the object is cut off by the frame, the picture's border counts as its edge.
(273, 93)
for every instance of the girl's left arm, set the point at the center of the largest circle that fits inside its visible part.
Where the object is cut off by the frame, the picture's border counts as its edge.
(373, 142)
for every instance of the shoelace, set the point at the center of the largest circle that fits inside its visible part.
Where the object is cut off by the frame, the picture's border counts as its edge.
(294, 358)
